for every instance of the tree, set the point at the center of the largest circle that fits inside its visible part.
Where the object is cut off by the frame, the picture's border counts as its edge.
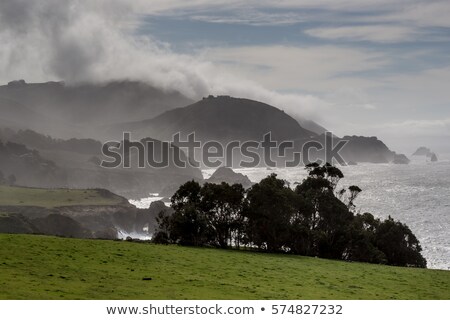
(187, 194)
(222, 205)
(353, 192)
(312, 220)
(322, 216)
(188, 224)
(328, 172)
(271, 205)
(333, 232)
(362, 246)
(399, 244)
(301, 231)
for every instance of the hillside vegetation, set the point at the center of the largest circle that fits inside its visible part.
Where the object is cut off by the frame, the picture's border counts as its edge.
(51, 198)
(40, 267)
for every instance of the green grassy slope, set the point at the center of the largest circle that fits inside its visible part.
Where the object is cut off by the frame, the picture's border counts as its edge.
(39, 267)
(50, 198)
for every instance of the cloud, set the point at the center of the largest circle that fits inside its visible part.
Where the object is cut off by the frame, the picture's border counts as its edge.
(374, 33)
(311, 69)
(422, 13)
(416, 128)
(77, 42)
(407, 135)
(443, 124)
(165, 6)
(351, 98)
(253, 17)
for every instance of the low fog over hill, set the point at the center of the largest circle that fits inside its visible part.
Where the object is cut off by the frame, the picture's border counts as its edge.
(65, 111)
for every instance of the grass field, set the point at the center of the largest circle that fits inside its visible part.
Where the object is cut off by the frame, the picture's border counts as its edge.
(40, 267)
(50, 198)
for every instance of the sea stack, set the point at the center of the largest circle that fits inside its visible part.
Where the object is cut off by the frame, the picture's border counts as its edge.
(433, 157)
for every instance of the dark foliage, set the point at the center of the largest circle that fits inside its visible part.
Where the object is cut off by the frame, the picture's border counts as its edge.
(399, 244)
(311, 220)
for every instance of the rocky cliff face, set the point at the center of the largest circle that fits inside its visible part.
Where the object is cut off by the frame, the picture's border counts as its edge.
(366, 149)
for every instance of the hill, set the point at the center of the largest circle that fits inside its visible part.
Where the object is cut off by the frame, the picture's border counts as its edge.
(39, 267)
(222, 119)
(366, 149)
(227, 119)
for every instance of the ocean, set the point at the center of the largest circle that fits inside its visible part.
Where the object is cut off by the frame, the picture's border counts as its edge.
(417, 194)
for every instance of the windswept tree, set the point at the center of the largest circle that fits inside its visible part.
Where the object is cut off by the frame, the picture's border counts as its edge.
(352, 193)
(328, 172)
(318, 190)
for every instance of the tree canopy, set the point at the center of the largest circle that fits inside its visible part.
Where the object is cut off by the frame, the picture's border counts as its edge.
(312, 219)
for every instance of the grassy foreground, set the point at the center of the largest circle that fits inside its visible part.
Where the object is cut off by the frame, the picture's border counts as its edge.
(40, 267)
(50, 198)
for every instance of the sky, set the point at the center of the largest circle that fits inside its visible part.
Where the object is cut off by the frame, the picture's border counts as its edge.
(375, 67)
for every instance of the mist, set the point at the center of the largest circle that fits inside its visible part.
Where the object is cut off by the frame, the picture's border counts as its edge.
(96, 41)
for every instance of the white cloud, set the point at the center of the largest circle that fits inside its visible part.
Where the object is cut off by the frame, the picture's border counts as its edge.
(422, 13)
(374, 33)
(253, 17)
(421, 90)
(351, 98)
(164, 6)
(442, 124)
(311, 69)
(406, 136)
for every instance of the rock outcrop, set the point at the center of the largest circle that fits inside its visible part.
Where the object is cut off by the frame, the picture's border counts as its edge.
(422, 151)
(400, 159)
(433, 157)
(224, 174)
